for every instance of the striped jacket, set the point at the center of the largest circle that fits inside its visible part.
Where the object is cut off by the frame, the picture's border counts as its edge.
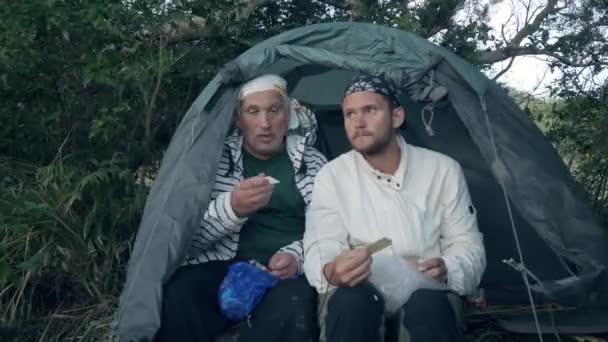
(218, 235)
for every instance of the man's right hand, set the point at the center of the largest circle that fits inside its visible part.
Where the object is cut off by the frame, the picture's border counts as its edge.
(349, 268)
(250, 195)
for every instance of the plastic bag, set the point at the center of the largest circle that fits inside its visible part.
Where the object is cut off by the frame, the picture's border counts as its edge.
(396, 280)
(243, 289)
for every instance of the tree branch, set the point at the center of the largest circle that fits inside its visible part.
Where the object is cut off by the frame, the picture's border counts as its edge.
(502, 28)
(530, 28)
(430, 32)
(185, 30)
(359, 8)
(531, 93)
(599, 191)
(493, 56)
(433, 31)
(196, 27)
(340, 4)
(579, 64)
(575, 81)
(503, 71)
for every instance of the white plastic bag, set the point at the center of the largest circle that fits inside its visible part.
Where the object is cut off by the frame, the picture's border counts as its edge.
(396, 280)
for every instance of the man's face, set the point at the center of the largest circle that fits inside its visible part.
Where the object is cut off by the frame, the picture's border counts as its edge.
(263, 118)
(369, 122)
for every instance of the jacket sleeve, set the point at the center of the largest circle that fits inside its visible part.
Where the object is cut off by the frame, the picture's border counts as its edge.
(325, 237)
(218, 221)
(461, 241)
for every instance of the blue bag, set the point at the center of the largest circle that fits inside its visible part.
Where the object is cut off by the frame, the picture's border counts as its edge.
(243, 289)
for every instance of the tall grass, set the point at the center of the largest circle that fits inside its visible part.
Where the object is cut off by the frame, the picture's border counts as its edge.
(64, 240)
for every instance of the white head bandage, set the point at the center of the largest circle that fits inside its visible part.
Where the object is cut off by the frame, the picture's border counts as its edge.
(264, 83)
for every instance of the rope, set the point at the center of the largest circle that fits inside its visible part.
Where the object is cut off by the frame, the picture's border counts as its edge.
(429, 108)
(522, 268)
(513, 227)
(427, 123)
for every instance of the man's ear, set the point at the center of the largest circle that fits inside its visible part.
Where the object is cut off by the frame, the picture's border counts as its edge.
(398, 117)
(238, 120)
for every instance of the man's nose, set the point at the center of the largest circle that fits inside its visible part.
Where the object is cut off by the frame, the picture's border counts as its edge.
(264, 120)
(360, 121)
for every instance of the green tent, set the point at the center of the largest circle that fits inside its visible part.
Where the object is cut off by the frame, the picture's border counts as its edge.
(524, 194)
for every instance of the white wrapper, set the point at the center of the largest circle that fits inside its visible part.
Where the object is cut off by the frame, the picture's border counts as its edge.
(396, 280)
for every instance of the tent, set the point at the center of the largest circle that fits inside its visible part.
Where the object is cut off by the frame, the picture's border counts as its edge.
(525, 197)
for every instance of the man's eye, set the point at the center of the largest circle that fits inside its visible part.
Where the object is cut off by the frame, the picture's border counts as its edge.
(371, 110)
(252, 110)
(274, 109)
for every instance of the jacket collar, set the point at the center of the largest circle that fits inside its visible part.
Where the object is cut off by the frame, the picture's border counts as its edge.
(395, 181)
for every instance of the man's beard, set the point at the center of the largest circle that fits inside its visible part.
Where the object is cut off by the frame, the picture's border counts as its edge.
(379, 146)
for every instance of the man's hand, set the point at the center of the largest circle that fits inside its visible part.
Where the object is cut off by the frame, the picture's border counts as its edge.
(250, 195)
(349, 268)
(434, 268)
(413, 262)
(283, 265)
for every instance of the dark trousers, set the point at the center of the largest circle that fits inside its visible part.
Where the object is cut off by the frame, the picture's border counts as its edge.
(356, 314)
(191, 311)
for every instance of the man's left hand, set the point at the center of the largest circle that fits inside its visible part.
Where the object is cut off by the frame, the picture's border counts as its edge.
(283, 265)
(434, 268)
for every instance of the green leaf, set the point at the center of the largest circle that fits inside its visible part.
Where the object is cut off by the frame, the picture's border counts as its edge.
(34, 263)
(20, 228)
(5, 272)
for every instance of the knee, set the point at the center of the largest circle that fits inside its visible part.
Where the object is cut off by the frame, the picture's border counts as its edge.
(426, 304)
(177, 297)
(173, 303)
(293, 295)
(293, 303)
(429, 298)
(362, 299)
(291, 298)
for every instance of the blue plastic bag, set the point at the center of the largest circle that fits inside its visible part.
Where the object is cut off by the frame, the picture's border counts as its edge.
(243, 289)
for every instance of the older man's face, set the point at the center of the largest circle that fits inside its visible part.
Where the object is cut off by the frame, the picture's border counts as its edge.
(263, 118)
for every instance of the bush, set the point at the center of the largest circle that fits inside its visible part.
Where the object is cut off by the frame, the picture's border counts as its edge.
(65, 235)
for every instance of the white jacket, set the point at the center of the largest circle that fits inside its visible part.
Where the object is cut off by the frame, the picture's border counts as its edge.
(424, 208)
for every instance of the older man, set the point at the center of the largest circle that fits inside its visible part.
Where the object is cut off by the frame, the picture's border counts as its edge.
(250, 218)
(385, 187)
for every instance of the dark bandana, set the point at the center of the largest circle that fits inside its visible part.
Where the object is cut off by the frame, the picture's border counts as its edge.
(375, 84)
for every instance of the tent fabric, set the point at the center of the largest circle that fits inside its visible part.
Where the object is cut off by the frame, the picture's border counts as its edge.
(562, 242)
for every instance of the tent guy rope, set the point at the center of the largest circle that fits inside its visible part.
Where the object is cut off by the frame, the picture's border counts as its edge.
(524, 275)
